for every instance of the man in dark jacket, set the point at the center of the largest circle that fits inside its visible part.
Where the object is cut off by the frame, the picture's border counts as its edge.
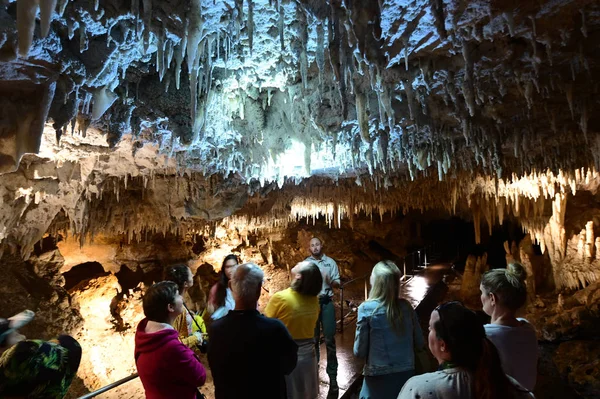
(249, 354)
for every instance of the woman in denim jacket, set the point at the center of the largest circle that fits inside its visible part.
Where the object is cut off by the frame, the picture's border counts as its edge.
(387, 332)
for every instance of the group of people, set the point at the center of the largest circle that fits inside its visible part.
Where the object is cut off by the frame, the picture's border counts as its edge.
(475, 360)
(276, 355)
(283, 344)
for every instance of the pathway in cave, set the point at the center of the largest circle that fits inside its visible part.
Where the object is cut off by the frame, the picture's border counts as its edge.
(424, 291)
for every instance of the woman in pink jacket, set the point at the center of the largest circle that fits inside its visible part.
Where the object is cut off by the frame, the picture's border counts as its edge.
(167, 368)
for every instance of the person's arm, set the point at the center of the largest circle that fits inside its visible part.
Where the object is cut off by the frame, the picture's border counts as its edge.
(273, 307)
(335, 275)
(211, 305)
(189, 368)
(288, 350)
(191, 342)
(361, 338)
(419, 341)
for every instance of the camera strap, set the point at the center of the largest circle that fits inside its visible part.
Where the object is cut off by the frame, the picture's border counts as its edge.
(192, 316)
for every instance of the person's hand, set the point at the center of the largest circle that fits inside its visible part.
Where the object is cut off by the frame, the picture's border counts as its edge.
(14, 338)
(198, 335)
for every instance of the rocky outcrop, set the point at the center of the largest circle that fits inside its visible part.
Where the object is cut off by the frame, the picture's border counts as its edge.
(579, 362)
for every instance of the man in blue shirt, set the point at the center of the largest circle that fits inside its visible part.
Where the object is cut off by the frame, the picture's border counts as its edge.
(326, 321)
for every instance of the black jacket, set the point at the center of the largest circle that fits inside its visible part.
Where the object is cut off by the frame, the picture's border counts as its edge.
(249, 355)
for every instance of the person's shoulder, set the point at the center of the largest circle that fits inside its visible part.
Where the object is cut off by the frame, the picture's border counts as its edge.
(525, 324)
(328, 259)
(424, 380)
(220, 324)
(369, 305)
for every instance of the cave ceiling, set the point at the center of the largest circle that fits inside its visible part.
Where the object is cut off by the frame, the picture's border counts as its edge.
(234, 99)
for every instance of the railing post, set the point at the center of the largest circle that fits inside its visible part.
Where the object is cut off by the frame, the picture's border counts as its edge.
(341, 309)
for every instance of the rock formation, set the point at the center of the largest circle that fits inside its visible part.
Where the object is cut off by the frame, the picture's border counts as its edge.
(204, 121)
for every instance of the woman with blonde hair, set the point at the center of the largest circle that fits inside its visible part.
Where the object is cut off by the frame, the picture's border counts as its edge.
(387, 333)
(503, 293)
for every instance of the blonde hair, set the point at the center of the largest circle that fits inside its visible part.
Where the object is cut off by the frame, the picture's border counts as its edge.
(386, 289)
(507, 284)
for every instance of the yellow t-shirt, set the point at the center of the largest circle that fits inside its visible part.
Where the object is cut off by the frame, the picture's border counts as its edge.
(298, 312)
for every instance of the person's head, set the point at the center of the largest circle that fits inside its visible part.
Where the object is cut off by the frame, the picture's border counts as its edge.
(307, 279)
(457, 335)
(245, 284)
(228, 267)
(315, 247)
(162, 302)
(385, 288)
(180, 275)
(504, 289)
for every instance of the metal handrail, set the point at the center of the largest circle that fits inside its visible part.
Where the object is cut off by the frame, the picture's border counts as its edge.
(109, 386)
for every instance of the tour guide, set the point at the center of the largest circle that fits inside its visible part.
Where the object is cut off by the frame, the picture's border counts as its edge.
(331, 279)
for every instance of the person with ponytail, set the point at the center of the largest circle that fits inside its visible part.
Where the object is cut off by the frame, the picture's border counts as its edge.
(189, 326)
(387, 333)
(503, 292)
(220, 298)
(469, 364)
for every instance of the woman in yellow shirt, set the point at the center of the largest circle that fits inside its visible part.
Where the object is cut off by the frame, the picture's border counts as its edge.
(298, 308)
(190, 326)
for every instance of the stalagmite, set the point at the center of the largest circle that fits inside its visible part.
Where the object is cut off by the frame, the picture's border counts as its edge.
(26, 12)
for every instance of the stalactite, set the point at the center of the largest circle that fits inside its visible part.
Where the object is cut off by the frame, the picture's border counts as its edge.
(437, 9)
(410, 97)
(47, 8)
(26, 12)
(281, 25)
(510, 22)
(180, 54)
(320, 53)
(103, 99)
(569, 93)
(468, 79)
(361, 113)
(194, 33)
(83, 40)
(584, 30)
(250, 24)
(147, 22)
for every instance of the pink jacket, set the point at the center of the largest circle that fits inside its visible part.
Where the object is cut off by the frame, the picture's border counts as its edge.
(167, 368)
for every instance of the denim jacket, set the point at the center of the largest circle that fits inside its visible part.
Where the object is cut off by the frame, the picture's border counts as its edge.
(385, 351)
